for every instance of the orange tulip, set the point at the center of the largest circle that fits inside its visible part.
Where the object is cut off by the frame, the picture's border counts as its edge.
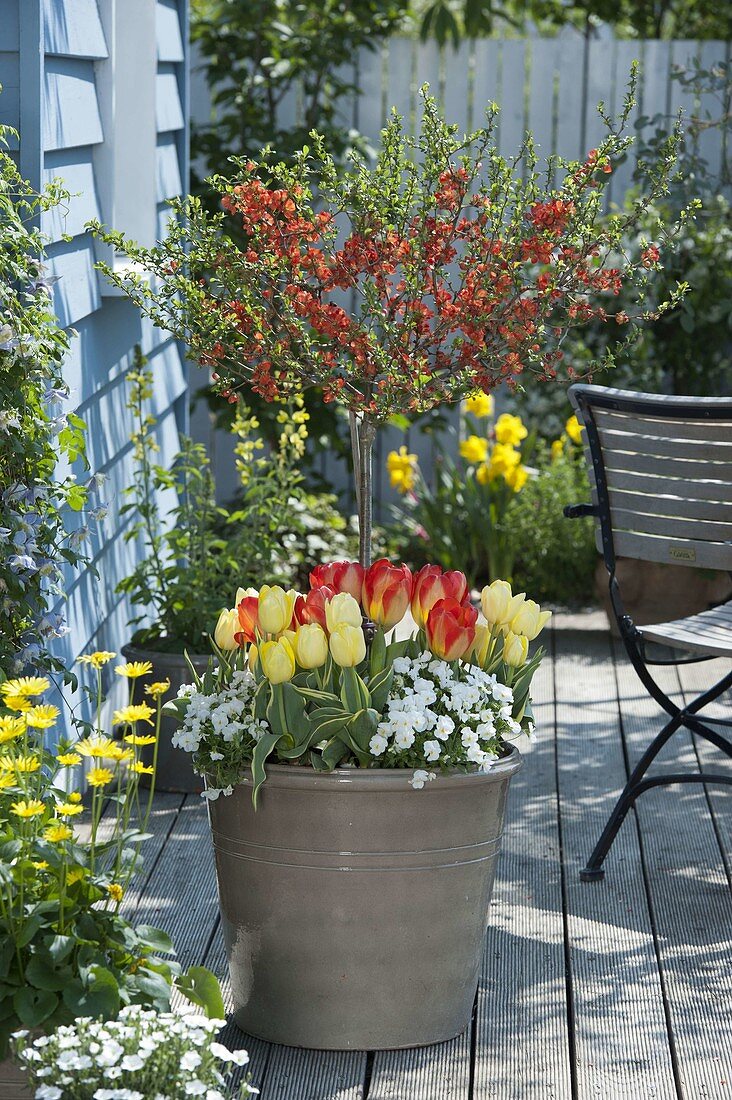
(431, 585)
(312, 607)
(387, 590)
(341, 576)
(450, 629)
(248, 611)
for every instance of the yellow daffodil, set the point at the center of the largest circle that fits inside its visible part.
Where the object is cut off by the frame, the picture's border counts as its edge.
(42, 716)
(402, 468)
(573, 428)
(96, 747)
(11, 727)
(69, 809)
(142, 769)
(558, 448)
(98, 659)
(510, 430)
(27, 808)
(25, 685)
(133, 669)
(483, 474)
(25, 765)
(68, 759)
(474, 449)
(157, 689)
(516, 478)
(503, 458)
(140, 738)
(99, 777)
(479, 404)
(115, 891)
(57, 831)
(138, 712)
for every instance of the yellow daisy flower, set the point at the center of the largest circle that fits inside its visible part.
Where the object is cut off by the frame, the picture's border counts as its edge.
(96, 747)
(133, 669)
(42, 716)
(21, 764)
(17, 702)
(157, 689)
(98, 659)
(479, 405)
(74, 797)
(58, 831)
(41, 865)
(7, 779)
(140, 738)
(99, 777)
(120, 755)
(25, 685)
(142, 769)
(137, 712)
(69, 809)
(11, 727)
(68, 759)
(74, 875)
(28, 808)
(115, 891)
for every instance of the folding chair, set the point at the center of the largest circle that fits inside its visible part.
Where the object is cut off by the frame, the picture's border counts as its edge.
(661, 475)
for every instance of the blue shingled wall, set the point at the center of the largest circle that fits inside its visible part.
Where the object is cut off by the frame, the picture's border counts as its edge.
(52, 55)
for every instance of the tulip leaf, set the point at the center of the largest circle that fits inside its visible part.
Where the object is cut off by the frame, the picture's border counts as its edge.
(262, 750)
(317, 695)
(331, 727)
(362, 728)
(363, 756)
(377, 655)
(261, 700)
(333, 753)
(380, 686)
(318, 763)
(355, 695)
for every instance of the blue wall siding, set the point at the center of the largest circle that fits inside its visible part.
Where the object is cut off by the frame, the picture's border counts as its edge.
(64, 132)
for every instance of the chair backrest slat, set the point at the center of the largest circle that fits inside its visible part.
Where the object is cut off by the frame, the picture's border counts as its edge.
(661, 472)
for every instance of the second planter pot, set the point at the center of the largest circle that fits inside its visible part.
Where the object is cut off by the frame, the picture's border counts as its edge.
(354, 906)
(175, 771)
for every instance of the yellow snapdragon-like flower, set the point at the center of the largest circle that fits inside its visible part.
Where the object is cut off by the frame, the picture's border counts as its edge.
(157, 689)
(11, 727)
(474, 449)
(99, 777)
(25, 686)
(133, 669)
(98, 659)
(27, 808)
(42, 716)
(479, 404)
(573, 428)
(136, 712)
(510, 430)
(57, 832)
(402, 468)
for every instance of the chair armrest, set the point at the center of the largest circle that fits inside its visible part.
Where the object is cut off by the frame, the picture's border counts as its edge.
(577, 511)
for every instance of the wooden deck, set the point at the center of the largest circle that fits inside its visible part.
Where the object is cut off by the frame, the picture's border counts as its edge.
(618, 989)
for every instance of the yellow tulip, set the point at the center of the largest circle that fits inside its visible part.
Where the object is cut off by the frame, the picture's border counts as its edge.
(347, 645)
(481, 643)
(227, 626)
(474, 449)
(510, 430)
(311, 646)
(252, 658)
(242, 593)
(480, 405)
(515, 649)
(278, 661)
(498, 603)
(529, 620)
(275, 609)
(342, 609)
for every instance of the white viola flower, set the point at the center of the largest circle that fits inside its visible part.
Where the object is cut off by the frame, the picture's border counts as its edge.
(114, 1072)
(404, 739)
(401, 666)
(191, 1060)
(420, 777)
(132, 1062)
(48, 1092)
(501, 693)
(485, 730)
(444, 727)
(432, 750)
(238, 1057)
(468, 738)
(378, 744)
(195, 1088)
(211, 793)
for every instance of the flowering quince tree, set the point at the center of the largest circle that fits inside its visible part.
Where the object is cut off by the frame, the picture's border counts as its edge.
(443, 270)
(296, 681)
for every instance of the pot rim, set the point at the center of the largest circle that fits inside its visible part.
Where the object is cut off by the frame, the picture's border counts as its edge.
(396, 780)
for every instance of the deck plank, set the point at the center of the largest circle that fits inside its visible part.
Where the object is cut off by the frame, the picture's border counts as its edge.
(523, 993)
(294, 1074)
(621, 1038)
(440, 1072)
(689, 894)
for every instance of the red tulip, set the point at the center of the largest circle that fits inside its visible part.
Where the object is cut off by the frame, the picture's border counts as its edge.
(450, 629)
(248, 611)
(386, 592)
(312, 608)
(341, 576)
(431, 585)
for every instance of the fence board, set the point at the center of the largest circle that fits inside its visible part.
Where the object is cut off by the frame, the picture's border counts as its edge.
(513, 78)
(570, 106)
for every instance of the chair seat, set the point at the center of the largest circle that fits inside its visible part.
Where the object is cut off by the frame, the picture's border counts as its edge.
(709, 632)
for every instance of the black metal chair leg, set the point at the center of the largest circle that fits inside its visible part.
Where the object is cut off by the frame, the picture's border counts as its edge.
(593, 872)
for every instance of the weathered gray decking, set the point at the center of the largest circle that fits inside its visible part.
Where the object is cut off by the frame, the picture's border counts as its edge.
(619, 989)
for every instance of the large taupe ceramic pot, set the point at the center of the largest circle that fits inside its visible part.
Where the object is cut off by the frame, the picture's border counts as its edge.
(174, 772)
(353, 906)
(13, 1082)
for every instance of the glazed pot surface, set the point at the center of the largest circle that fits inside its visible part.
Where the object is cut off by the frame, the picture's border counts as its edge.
(14, 1082)
(353, 906)
(175, 770)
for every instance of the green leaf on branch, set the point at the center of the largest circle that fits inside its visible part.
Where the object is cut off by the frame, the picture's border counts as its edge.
(33, 1006)
(155, 938)
(201, 987)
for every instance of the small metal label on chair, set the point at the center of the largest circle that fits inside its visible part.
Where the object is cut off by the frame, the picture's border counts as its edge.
(681, 554)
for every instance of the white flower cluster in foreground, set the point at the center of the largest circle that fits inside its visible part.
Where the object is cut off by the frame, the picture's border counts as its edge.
(444, 714)
(220, 727)
(142, 1055)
